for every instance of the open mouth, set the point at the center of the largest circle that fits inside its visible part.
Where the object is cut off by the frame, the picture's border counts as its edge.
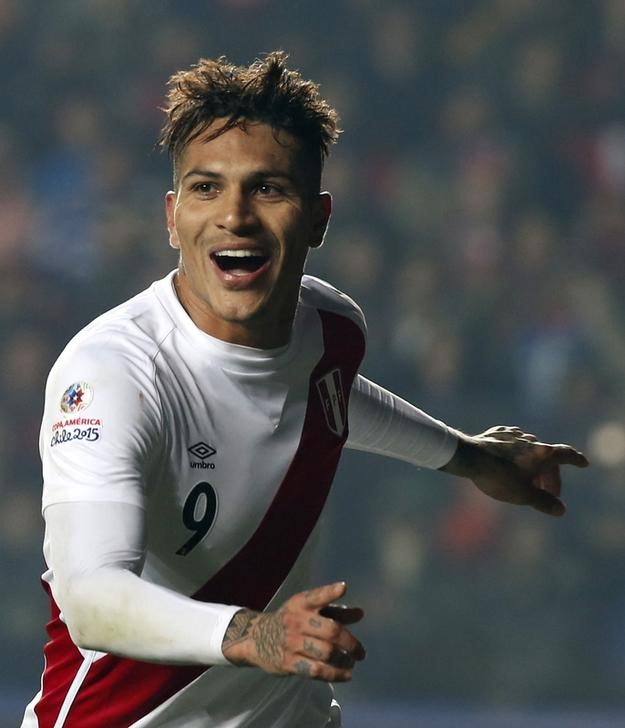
(239, 262)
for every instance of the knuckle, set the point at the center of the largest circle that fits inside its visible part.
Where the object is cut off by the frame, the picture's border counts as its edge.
(334, 631)
(340, 675)
(291, 621)
(296, 601)
(291, 641)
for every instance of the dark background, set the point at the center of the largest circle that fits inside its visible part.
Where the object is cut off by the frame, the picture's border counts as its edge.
(479, 192)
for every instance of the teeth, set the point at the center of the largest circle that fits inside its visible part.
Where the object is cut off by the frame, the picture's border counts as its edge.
(238, 253)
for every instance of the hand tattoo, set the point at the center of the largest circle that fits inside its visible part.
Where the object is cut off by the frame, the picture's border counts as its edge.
(302, 667)
(312, 650)
(268, 634)
(239, 628)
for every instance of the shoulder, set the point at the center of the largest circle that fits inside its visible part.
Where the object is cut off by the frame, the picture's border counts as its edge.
(319, 294)
(121, 343)
(134, 329)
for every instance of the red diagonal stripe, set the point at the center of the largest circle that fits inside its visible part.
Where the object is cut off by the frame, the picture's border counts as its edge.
(117, 691)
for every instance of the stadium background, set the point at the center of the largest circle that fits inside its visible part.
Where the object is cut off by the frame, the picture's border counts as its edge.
(479, 219)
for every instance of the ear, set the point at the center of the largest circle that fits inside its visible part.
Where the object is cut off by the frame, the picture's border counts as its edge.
(322, 212)
(170, 208)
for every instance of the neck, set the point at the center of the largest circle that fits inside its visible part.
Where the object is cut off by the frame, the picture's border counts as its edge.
(253, 333)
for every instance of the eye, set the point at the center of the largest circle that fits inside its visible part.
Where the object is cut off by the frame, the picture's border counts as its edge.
(266, 189)
(204, 188)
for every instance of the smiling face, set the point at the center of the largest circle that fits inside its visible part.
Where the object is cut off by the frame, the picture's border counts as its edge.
(244, 216)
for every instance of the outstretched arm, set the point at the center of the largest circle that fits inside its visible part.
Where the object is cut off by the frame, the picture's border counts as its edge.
(512, 466)
(503, 462)
(380, 422)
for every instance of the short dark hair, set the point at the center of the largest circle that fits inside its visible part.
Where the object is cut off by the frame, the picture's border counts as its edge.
(266, 91)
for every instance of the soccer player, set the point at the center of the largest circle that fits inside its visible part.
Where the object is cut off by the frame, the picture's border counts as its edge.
(191, 435)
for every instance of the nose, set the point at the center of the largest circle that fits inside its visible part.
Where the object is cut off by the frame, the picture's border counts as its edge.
(236, 212)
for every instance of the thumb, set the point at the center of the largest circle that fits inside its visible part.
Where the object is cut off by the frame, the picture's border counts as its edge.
(545, 502)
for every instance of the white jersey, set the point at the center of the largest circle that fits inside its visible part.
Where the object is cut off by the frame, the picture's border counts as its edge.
(230, 452)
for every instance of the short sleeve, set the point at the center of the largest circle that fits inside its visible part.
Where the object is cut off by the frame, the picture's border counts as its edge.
(101, 424)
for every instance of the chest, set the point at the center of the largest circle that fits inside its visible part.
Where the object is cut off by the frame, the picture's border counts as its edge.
(229, 440)
(247, 462)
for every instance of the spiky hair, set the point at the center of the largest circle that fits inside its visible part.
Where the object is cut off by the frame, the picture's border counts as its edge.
(266, 91)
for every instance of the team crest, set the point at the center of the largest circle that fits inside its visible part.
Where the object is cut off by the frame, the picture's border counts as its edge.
(330, 390)
(76, 397)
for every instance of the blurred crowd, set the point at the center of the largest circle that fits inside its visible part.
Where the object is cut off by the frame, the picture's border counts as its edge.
(479, 191)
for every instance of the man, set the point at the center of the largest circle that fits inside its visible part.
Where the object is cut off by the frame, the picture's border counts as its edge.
(190, 438)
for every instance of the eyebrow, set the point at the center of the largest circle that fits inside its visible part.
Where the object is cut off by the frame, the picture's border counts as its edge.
(255, 176)
(201, 173)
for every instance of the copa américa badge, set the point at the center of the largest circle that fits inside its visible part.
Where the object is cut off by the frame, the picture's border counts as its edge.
(76, 397)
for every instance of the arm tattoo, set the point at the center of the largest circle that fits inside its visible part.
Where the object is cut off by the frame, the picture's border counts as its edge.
(239, 628)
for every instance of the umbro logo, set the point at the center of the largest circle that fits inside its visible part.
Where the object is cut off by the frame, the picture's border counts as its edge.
(202, 451)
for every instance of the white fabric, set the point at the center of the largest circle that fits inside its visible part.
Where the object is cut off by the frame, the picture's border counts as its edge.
(96, 550)
(169, 408)
(381, 422)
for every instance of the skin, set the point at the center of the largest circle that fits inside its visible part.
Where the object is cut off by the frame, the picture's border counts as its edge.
(306, 636)
(250, 189)
(510, 465)
(245, 189)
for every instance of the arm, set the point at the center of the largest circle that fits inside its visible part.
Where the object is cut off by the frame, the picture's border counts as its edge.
(94, 495)
(95, 551)
(503, 462)
(381, 422)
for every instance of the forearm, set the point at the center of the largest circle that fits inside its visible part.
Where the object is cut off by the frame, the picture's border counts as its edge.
(115, 611)
(381, 422)
(93, 550)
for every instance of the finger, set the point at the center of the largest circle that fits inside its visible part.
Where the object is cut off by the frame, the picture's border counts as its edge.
(322, 651)
(342, 613)
(565, 455)
(331, 654)
(332, 632)
(323, 595)
(545, 502)
(503, 433)
(349, 644)
(515, 431)
(342, 659)
(512, 435)
(549, 480)
(316, 670)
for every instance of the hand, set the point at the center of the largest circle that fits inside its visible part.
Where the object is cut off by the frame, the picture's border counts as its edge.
(305, 636)
(512, 466)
